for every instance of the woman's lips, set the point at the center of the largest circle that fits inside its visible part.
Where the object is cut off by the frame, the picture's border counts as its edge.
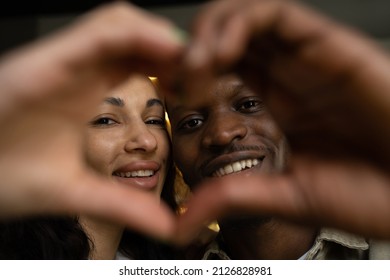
(147, 182)
(140, 174)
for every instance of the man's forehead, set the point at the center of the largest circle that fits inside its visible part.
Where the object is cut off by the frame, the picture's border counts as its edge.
(224, 87)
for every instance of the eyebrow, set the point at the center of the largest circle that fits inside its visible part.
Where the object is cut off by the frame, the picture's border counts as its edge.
(116, 101)
(154, 102)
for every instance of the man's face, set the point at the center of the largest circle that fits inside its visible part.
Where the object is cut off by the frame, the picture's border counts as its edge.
(224, 131)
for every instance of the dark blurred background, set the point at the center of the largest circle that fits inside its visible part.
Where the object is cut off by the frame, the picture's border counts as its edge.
(22, 21)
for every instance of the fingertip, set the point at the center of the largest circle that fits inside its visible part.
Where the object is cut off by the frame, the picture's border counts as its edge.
(181, 35)
(197, 56)
(141, 211)
(174, 35)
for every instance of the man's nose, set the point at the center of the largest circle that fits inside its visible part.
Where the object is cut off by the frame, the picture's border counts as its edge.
(223, 129)
(140, 138)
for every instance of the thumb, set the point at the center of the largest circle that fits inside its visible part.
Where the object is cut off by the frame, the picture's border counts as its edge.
(262, 195)
(132, 207)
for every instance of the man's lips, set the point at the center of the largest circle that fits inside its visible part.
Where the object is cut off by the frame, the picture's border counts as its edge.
(232, 163)
(236, 166)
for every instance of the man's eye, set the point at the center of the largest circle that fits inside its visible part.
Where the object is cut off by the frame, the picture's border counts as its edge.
(191, 124)
(103, 122)
(250, 106)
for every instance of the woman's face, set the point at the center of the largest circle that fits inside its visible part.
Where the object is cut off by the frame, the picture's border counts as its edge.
(126, 138)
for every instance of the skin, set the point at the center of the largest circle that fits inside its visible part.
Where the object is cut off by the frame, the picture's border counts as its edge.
(48, 90)
(48, 87)
(220, 126)
(128, 128)
(212, 133)
(126, 133)
(327, 88)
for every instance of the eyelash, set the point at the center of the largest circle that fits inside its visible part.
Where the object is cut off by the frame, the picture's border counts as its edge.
(100, 122)
(108, 122)
(254, 106)
(157, 122)
(183, 126)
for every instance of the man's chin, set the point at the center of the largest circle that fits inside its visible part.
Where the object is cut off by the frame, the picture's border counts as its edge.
(239, 222)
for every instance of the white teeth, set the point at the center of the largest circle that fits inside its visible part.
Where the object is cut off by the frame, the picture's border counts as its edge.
(138, 173)
(235, 167)
(228, 169)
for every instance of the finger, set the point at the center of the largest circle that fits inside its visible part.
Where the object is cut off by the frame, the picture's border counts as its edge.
(354, 198)
(224, 28)
(116, 41)
(218, 198)
(114, 31)
(205, 31)
(138, 210)
(344, 193)
(109, 34)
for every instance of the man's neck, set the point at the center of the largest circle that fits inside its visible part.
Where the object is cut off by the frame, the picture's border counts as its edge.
(271, 239)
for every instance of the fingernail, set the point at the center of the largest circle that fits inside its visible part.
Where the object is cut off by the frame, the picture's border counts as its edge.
(174, 35)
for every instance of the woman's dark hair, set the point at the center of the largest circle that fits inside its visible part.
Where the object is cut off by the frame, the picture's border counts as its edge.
(43, 238)
(63, 238)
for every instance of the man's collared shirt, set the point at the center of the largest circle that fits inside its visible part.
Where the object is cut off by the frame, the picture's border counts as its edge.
(330, 244)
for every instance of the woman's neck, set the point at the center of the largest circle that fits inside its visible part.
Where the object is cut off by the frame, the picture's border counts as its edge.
(104, 235)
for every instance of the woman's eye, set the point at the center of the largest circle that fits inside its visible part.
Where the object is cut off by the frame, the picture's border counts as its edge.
(157, 122)
(103, 122)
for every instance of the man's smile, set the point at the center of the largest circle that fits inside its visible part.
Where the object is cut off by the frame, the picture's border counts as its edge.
(237, 166)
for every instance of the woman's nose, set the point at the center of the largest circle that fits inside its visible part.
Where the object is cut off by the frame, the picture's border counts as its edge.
(140, 138)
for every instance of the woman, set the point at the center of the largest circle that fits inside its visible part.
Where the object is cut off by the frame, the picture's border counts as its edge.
(126, 140)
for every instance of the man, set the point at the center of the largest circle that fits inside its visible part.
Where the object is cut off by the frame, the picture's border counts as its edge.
(327, 88)
(227, 132)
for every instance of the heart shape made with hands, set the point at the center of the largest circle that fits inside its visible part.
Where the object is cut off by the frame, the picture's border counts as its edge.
(301, 65)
